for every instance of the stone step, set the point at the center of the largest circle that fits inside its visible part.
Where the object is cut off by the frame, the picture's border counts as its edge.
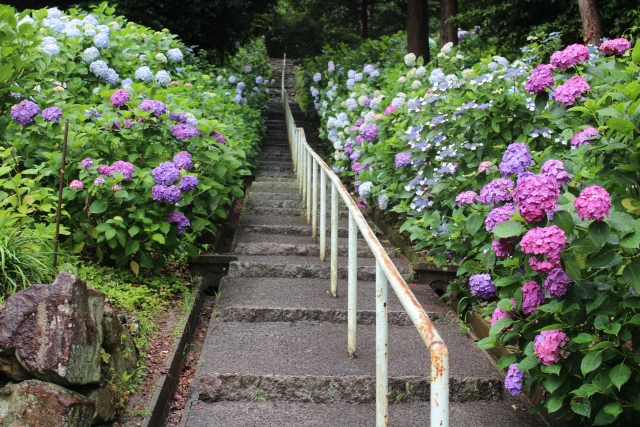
(250, 237)
(274, 168)
(256, 413)
(291, 229)
(285, 203)
(311, 249)
(273, 154)
(287, 212)
(275, 179)
(261, 194)
(261, 187)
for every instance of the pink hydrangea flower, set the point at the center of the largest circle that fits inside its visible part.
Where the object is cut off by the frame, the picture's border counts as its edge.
(593, 203)
(499, 215)
(540, 79)
(498, 190)
(571, 90)
(555, 169)
(536, 196)
(532, 297)
(484, 166)
(119, 98)
(557, 282)
(542, 267)
(581, 138)
(467, 198)
(548, 241)
(503, 247)
(547, 346)
(499, 313)
(571, 55)
(390, 109)
(615, 46)
(76, 185)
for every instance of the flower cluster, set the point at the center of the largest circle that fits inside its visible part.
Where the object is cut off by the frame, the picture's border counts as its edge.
(615, 46)
(181, 221)
(547, 346)
(52, 114)
(86, 163)
(119, 98)
(555, 169)
(184, 131)
(165, 173)
(158, 107)
(536, 196)
(540, 79)
(466, 197)
(144, 73)
(498, 215)
(175, 55)
(516, 159)
(76, 185)
(24, 112)
(549, 241)
(513, 380)
(582, 137)
(188, 183)
(571, 55)
(365, 189)
(161, 193)
(532, 297)
(557, 282)
(571, 90)
(594, 202)
(482, 286)
(120, 166)
(503, 247)
(484, 166)
(183, 160)
(498, 190)
(369, 132)
(403, 159)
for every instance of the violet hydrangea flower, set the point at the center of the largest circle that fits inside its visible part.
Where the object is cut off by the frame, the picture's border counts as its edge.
(555, 169)
(390, 109)
(99, 181)
(188, 183)
(165, 173)
(86, 163)
(615, 46)
(52, 114)
(359, 122)
(547, 346)
(532, 297)
(540, 79)
(403, 159)
(181, 221)
(357, 167)
(569, 56)
(183, 131)
(178, 117)
(571, 90)
(369, 132)
(119, 98)
(594, 202)
(183, 160)
(513, 380)
(536, 196)
(219, 138)
(482, 286)
(317, 77)
(24, 112)
(163, 193)
(557, 282)
(498, 215)
(581, 138)
(76, 185)
(467, 198)
(498, 190)
(158, 107)
(516, 159)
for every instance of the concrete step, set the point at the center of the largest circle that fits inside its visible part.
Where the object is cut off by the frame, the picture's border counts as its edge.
(257, 195)
(284, 203)
(266, 247)
(257, 413)
(291, 229)
(274, 168)
(287, 212)
(275, 179)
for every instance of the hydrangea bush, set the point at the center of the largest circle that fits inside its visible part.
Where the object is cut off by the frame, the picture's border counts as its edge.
(158, 141)
(524, 174)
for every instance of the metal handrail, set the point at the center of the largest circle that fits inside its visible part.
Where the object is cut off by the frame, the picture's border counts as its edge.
(312, 173)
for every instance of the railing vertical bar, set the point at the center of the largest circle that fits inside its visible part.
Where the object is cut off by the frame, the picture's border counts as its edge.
(352, 290)
(439, 385)
(309, 184)
(314, 207)
(303, 176)
(382, 349)
(334, 240)
(323, 215)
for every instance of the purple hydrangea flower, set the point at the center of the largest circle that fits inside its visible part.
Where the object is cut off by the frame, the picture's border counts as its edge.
(125, 168)
(52, 114)
(498, 190)
(594, 202)
(547, 346)
(119, 98)
(183, 131)
(357, 167)
(369, 132)
(532, 297)
(498, 215)
(549, 241)
(183, 160)
(178, 117)
(557, 282)
(24, 112)
(484, 166)
(162, 193)
(571, 55)
(219, 137)
(165, 173)
(581, 138)
(248, 68)
(403, 159)
(86, 163)
(513, 380)
(555, 169)
(536, 196)
(158, 107)
(76, 185)
(188, 183)
(516, 159)
(540, 79)
(359, 122)
(503, 247)
(571, 90)
(482, 286)
(467, 198)
(181, 221)
(99, 181)
(499, 313)
(615, 46)
(355, 155)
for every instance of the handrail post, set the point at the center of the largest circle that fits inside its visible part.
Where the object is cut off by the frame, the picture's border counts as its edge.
(284, 64)
(323, 215)
(439, 384)
(334, 240)
(314, 210)
(352, 290)
(309, 176)
(382, 349)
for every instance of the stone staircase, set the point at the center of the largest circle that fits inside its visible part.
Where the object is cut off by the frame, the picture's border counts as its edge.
(276, 349)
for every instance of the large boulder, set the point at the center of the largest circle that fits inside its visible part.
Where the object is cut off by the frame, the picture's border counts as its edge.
(36, 403)
(55, 331)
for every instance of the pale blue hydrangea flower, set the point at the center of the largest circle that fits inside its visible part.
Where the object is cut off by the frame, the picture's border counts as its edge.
(54, 12)
(127, 83)
(331, 66)
(99, 68)
(232, 79)
(48, 40)
(351, 83)
(89, 30)
(383, 201)
(358, 77)
(53, 23)
(365, 189)
(144, 74)
(241, 86)
(493, 66)
(101, 40)
(314, 91)
(175, 55)
(95, 90)
(163, 77)
(90, 19)
(91, 54)
(103, 29)
(256, 90)
(437, 76)
(351, 74)
(421, 72)
(71, 31)
(368, 69)
(51, 49)
(112, 77)
(374, 74)
(351, 104)
(343, 117)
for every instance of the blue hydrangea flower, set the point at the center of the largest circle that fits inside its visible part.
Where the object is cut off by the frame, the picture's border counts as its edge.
(351, 74)
(368, 69)
(175, 55)
(54, 12)
(241, 86)
(317, 77)
(383, 201)
(53, 23)
(90, 19)
(103, 29)
(358, 77)
(163, 78)
(374, 74)
(71, 31)
(351, 83)
(99, 68)
(90, 54)
(232, 79)
(112, 77)
(127, 83)
(48, 40)
(144, 73)
(101, 40)
(89, 30)
(437, 76)
(51, 49)
(365, 189)
(351, 104)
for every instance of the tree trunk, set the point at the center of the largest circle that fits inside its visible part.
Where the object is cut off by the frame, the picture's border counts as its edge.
(364, 19)
(370, 18)
(591, 26)
(448, 30)
(418, 28)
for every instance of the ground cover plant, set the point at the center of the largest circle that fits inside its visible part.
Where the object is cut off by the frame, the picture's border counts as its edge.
(525, 174)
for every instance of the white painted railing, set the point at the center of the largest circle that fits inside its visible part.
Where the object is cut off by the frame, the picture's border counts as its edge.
(312, 173)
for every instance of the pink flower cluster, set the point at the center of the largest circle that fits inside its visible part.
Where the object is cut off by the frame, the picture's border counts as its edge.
(547, 346)
(532, 297)
(390, 109)
(498, 190)
(498, 215)
(571, 55)
(503, 247)
(569, 91)
(536, 195)
(499, 313)
(120, 166)
(484, 166)
(580, 138)
(119, 98)
(549, 241)
(555, 169)
(615, 46)
(467, 198)
(540, 79)
(593, 203)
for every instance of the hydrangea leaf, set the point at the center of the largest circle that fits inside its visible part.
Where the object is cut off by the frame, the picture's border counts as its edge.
(98, 206)
(508, 229)
(583, 245)
(599, 232)
(603, 257)
(582, 408)
(591, 362)
(631, 274)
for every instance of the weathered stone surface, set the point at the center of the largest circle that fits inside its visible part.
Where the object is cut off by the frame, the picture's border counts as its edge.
(332, 389)
(251, 248)
(106, 399)
(35, 403)
(55, 330)
(10, 366)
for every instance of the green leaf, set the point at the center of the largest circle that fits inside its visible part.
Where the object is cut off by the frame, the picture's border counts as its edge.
(622, 222)
(619, 375)
(472, 267)
(583, 408)
(584, 245)
(146, 260)
(553, 382)
(501, 324)
(98, 206)
(486, 343)
(508, 229)
(505, 361)
(134, 230)
(135, 267)
(554, 403)
(599, 232)
(591, 362)
(631, 241)
(158, 238)
(474, 222)
(613, 408)
(603, 257)
(541, 101)
(563, 220)
(635, 54)
(584, 289)
(631, 274)
(528, 362)
(583, 338)
(131, 247)
(585, 390)
(571, 265)
(489, 259)
(110, 234)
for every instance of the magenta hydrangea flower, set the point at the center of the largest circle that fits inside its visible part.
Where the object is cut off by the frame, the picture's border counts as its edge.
(555, 169)
(369, 132)
(548, 241)
(516, 159)
(125, 168)
(571, 55)
(540, 79)
(482, 286)
(99, 181)
(357, 167)
(165, 173)
(158, 107)
(86, 163)
(178, 117)
(181, 221)
(499, 313)
(467, 198)
(390, 109)
(536, 196)
(76, 185)
(183, 160)
(484, 166)
(163, 193)
(361, 203)
(513, 380)
(24, 112)
(498, 215)
(615, 46)
(503, 247)
(547, 346)
(183, 131)
(571, 90)
(581, 138)
(557, 282)
(52, 114)
(532, 297)
(188, 183)
(403, 159)
(593, 203)
(498, 190)
(119, 98)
